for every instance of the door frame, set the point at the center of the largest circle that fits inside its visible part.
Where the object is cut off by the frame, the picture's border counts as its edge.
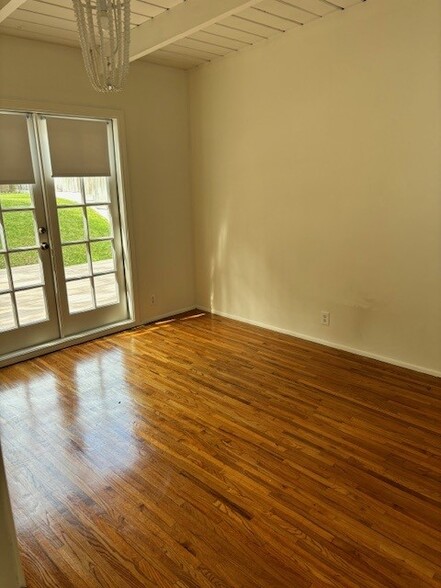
(125, 211)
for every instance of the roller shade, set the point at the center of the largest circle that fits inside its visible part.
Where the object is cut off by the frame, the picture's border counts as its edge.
(15, 152)
(78, 147)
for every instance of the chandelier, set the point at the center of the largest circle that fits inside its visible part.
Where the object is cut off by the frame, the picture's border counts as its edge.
(104, 29)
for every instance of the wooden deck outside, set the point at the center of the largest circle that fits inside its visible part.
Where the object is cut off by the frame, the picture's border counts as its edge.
(201, 452)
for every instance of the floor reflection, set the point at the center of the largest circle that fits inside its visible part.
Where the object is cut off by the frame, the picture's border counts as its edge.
(73, 421)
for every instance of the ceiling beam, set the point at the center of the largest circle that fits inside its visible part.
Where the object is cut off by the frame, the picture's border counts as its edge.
(7, 7)
(179, 22)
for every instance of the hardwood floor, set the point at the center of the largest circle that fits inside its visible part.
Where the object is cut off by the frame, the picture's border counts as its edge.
(202, 452)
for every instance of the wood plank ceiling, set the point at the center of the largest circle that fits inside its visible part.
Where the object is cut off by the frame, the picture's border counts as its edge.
(54, 21)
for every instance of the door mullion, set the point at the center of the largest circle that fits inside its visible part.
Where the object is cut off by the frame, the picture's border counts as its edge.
(43, 218)
(49, 199)
(119, 251)
(87, 242)
(9, 273)
(11, 286)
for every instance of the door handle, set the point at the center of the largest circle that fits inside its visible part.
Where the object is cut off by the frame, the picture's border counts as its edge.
(44, 245)
(42, 230)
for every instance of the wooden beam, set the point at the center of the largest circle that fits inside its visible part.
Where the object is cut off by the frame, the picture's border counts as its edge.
(7, 7)
(179, 22)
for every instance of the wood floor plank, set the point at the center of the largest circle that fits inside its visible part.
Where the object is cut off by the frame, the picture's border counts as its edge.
(203, 452)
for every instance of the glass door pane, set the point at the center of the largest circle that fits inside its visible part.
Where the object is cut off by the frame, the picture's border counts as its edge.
(21, 259)
(88, 242)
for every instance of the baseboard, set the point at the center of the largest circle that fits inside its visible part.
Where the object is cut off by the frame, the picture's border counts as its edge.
(167, 315)
(333, 345)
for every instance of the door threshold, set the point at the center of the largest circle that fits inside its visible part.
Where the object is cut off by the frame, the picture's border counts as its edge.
(58, 344)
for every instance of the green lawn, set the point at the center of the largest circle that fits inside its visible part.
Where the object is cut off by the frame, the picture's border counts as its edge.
(19, 231)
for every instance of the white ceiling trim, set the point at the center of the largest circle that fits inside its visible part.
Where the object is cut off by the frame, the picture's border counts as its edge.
(183, 20)
(7, 7)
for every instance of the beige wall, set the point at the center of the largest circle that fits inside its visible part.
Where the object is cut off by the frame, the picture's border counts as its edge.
(156, 119)
(316, 177)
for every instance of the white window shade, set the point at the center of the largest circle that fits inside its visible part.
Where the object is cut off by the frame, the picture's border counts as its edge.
(78, 148)
(15, 152)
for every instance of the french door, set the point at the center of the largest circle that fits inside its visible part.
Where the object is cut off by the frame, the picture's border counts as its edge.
(61, 254)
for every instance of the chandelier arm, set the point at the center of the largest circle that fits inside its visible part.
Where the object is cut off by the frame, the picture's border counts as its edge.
(92, 63)
(102, 46)
(113, 47)
(115, 15)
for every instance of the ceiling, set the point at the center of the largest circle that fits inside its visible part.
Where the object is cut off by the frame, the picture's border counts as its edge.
(178, 33)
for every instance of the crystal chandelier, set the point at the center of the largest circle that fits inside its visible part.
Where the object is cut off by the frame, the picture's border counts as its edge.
(104, 29)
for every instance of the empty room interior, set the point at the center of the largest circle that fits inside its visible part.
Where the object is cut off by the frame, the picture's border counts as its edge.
(220, 293)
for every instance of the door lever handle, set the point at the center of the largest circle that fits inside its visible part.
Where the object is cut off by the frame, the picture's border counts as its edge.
(44, 245)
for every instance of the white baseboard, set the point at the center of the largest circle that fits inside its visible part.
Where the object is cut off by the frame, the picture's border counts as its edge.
(167, 315)
(390, 360)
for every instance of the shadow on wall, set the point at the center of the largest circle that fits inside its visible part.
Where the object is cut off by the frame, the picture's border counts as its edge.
(244, 278)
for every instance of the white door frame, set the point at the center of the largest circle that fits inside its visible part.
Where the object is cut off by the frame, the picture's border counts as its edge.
(125, 210)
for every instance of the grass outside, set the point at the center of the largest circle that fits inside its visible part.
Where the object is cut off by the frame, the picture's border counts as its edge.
(19, 229)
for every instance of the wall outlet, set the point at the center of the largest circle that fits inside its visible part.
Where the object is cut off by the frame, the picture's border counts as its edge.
(325, 318)
(152, 299)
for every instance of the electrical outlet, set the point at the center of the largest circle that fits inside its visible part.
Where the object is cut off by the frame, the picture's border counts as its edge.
(152, 299)
(325, 318)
